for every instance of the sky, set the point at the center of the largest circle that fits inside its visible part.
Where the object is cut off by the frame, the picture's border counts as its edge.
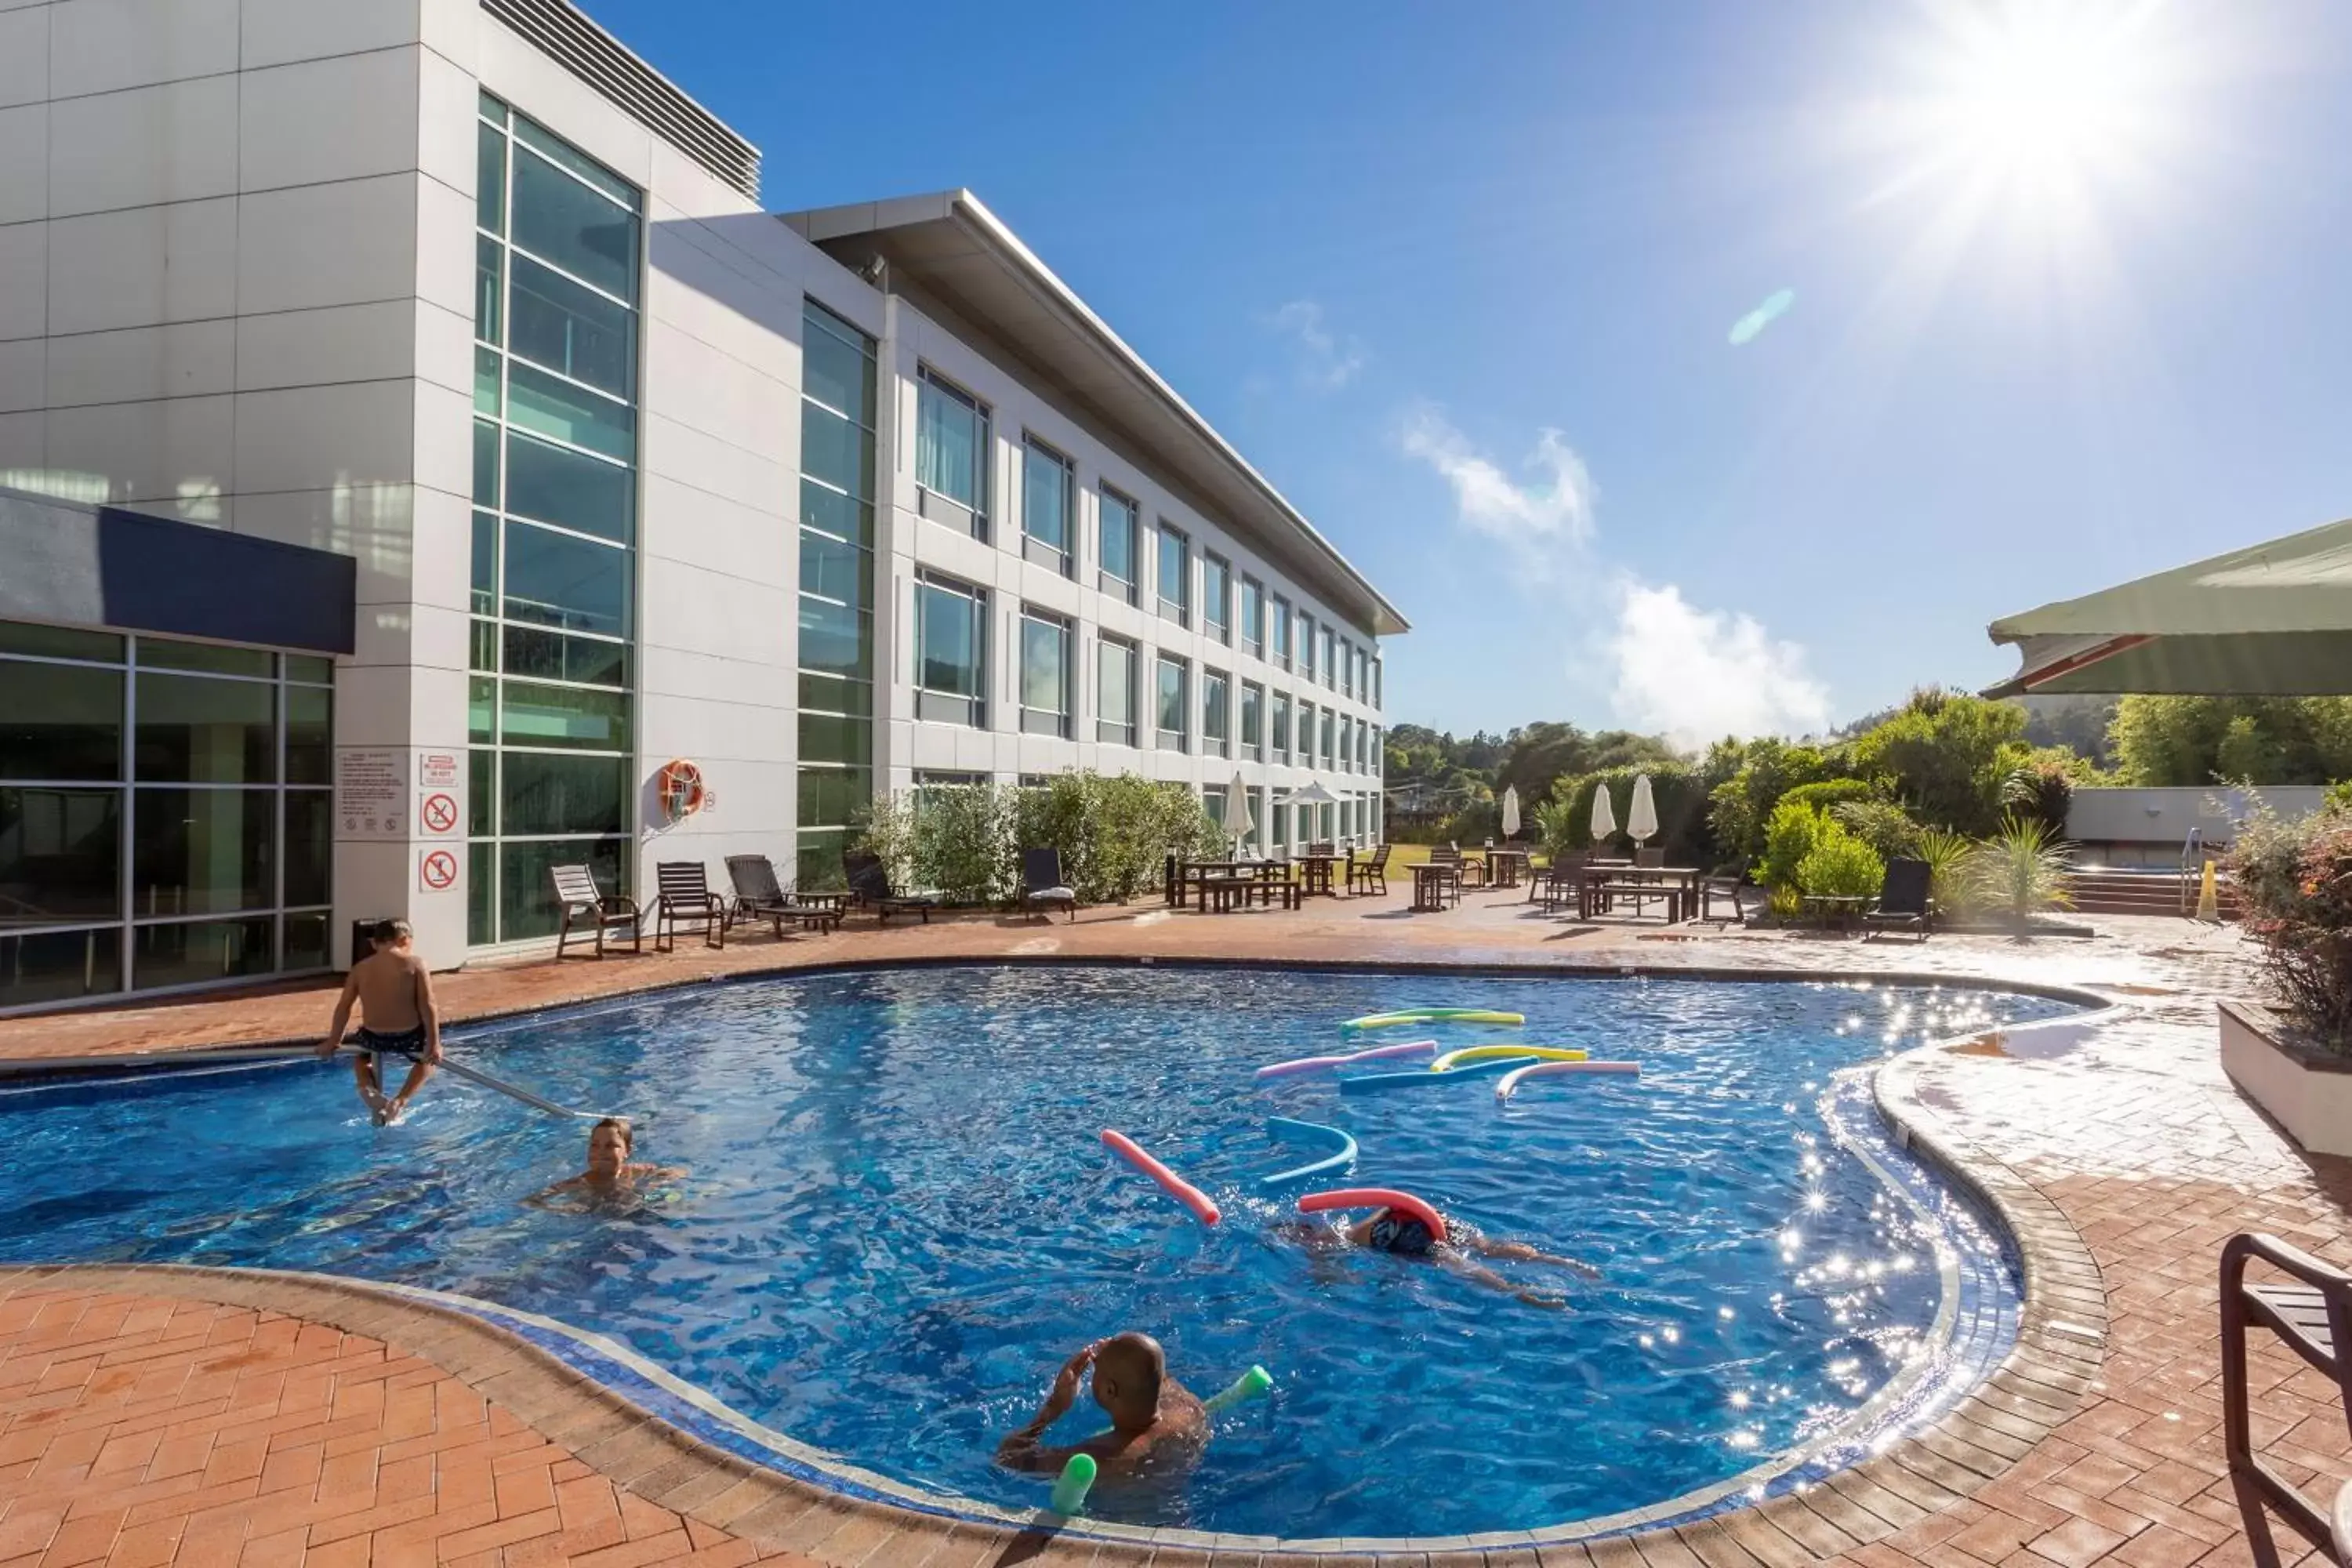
(1699, 369)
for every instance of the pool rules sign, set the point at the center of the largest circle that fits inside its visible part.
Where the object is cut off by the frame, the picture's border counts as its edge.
(440, 819)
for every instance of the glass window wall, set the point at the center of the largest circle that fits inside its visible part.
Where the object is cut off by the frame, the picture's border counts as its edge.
(1217, 597)
(1048, 498)
(1172, 705)
(1175, 577)
(1253, 616)
(951, 648)
(951, 446)
(1117, 528)
(1253, 720)
(838, 389)
(1045, 674)
(1217, 714)
(1114, 697)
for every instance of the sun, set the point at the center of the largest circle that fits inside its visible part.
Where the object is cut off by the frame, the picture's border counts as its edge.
(2046, 93)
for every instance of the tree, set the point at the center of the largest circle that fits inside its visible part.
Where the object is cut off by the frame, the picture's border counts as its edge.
(2194, 741)
(1944, 756)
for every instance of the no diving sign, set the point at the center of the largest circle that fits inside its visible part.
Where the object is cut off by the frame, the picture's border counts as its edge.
(437, 812)
(436, 871)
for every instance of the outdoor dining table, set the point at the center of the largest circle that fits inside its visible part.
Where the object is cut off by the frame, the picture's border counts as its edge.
(1219, 886)
(1430, 881)
(1680, 884)
(1505, 865)
(1319, 869)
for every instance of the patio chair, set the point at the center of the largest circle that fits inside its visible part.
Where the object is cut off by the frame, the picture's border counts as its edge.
(760, 897)
(1322, 846)
(1563, 883)
(1370, 874)
(869, 883)
(684, 900)
(1726, 882)
(1649, 859)
(1042, 886)
(575, 890)
(2314, 1316)
(1903, 903)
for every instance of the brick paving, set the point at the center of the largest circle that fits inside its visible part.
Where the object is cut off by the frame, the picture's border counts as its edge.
(154, 1416)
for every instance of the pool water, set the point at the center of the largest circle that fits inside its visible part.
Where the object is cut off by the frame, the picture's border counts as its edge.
(899, 1220)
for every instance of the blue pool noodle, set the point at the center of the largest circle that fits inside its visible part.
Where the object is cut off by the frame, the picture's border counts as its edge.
(1343, 1159)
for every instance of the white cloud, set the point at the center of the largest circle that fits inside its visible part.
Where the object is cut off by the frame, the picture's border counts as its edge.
(1541, 519)
(1328, 361)
(1699, 674)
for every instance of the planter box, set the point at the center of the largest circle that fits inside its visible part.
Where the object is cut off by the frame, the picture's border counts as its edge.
(2306, 1090)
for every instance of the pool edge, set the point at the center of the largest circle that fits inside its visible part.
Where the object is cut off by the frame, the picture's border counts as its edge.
(1990, 1428)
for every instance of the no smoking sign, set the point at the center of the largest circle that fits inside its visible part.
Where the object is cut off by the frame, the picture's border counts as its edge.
(436, 871)
(438, 813)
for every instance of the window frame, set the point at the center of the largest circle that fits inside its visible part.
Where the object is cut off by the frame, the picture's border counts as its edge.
(1128, 590)
(1278, 720)
(1306, 645)
(1216, 703)
(1249, 724)
(1180, 608)
(1250, 611)
(1129, 734)
(1217, 601)
(1280, 656)
(933, 705)
(1062, 558)
(938, 505)
(1330, 657)
(1060, 725)
(1178, 739)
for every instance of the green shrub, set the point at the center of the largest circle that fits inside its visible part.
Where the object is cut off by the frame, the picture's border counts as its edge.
(1840, 865)
(1881, 823)
(2295, 880)
(1947, 855)
(1113, 834)
(1788, 839)
(2020, 871)
(1828, 793)
(1739, 809)
(964, 842)
(2040, 790)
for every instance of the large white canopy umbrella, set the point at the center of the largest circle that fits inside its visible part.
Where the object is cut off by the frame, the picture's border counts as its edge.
(1238, 822)
(1641, 817)
(1313, 794)
(1605, 815)
(1511, 812)
(2273, 619)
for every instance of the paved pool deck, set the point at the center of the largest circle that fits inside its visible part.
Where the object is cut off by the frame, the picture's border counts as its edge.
(154, 1416)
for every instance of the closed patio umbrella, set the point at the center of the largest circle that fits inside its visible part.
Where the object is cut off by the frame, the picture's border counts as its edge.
(1605, 815)
(1511, 812)
(1238, 823)
(1641, 817)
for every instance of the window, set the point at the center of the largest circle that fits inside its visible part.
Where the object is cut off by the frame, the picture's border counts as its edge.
(951, 641)
(1281, 632)
(1330, 676)
(1253, 720)
(1048, 497)
(1376, 683)
(1379, 757)
(950, 453)
(1171, 708)
(1330, 727)
(1216, 596)
(557, 251)
(1281, 839)
(1119, 524)
(1175, 577)
(1045, 674)
(1306, 645)
(1306, 733)
(1281, 726)
(1347, 667)
(1115, 667)
(1217, 714)
(1364, 749)
(1253, 616)
(835, 777)
(1347, 752)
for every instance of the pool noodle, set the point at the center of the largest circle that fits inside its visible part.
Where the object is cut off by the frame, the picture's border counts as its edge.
(1204, 1208)
(1480, 1053)
(1432, 1015)
(1510, 1081)
(1312, 1064)
(1375, 1197)
(1342, 1161)
(1373, 1082)
(1070, 1489)
(1248, 1385)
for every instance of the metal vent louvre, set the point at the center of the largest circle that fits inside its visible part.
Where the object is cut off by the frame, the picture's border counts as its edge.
(597, 57)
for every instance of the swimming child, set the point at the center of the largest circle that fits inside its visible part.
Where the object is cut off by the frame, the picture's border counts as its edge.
(1402, 1234)
(398, 1019)
(1155, 1421)
(610, 1174)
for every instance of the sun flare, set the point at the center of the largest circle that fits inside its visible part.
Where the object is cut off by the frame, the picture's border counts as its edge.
(2042, 92)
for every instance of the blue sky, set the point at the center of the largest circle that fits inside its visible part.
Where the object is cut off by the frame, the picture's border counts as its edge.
(2072, 298)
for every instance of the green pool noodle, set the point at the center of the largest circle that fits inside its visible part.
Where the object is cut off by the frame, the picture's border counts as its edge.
(1070, 1491)
(1248, 1385)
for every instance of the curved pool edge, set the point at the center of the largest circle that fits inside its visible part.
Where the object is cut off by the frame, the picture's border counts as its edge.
(1990, 1426)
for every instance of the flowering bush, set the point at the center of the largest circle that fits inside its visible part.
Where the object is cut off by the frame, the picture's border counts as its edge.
(2295, 880)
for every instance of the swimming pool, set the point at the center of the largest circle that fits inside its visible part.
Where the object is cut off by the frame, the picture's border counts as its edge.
(898, 1221)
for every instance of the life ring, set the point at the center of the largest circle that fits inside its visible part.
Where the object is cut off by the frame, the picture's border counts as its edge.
(680, 784)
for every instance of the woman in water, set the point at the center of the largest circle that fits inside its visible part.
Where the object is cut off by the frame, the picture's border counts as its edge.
(1402, 1234)
(610, 1175)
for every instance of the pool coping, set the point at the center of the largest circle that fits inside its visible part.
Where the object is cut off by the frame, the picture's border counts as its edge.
(2059, 1341)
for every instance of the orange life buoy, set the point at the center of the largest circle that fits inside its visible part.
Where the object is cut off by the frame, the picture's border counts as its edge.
(680, 784)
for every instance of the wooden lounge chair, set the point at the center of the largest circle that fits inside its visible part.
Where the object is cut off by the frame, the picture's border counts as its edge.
(1724, 882)
(1903, 903)
(1042, 886)
(2314, 1316)
(1370, 874)
(684, 900)
(575, 890)
(759, 896)
(869, 883)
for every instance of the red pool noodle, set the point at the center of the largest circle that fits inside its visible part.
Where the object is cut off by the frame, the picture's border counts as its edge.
(1375, 1198)
(1204, 1208)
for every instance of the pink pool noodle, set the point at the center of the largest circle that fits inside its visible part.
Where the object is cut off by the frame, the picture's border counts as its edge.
(1314, 1064)
(1510, 1081)
(1375, 1198)
(1204, 1208)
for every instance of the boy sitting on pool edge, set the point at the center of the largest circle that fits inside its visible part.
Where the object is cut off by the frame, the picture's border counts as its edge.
(1154, 1419)
(398, 1017)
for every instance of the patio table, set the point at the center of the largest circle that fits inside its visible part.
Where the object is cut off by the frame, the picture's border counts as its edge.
(1838, 908)
(1319, 869)
(1430, 881)
(1504, 867)
(1679, 885)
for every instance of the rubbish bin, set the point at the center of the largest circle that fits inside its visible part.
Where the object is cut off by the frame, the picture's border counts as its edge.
(361, 940)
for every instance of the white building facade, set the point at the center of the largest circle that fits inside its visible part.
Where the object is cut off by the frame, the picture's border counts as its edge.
(415, 436)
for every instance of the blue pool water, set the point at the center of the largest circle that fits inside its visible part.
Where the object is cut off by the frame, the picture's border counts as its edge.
(899, 1220)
